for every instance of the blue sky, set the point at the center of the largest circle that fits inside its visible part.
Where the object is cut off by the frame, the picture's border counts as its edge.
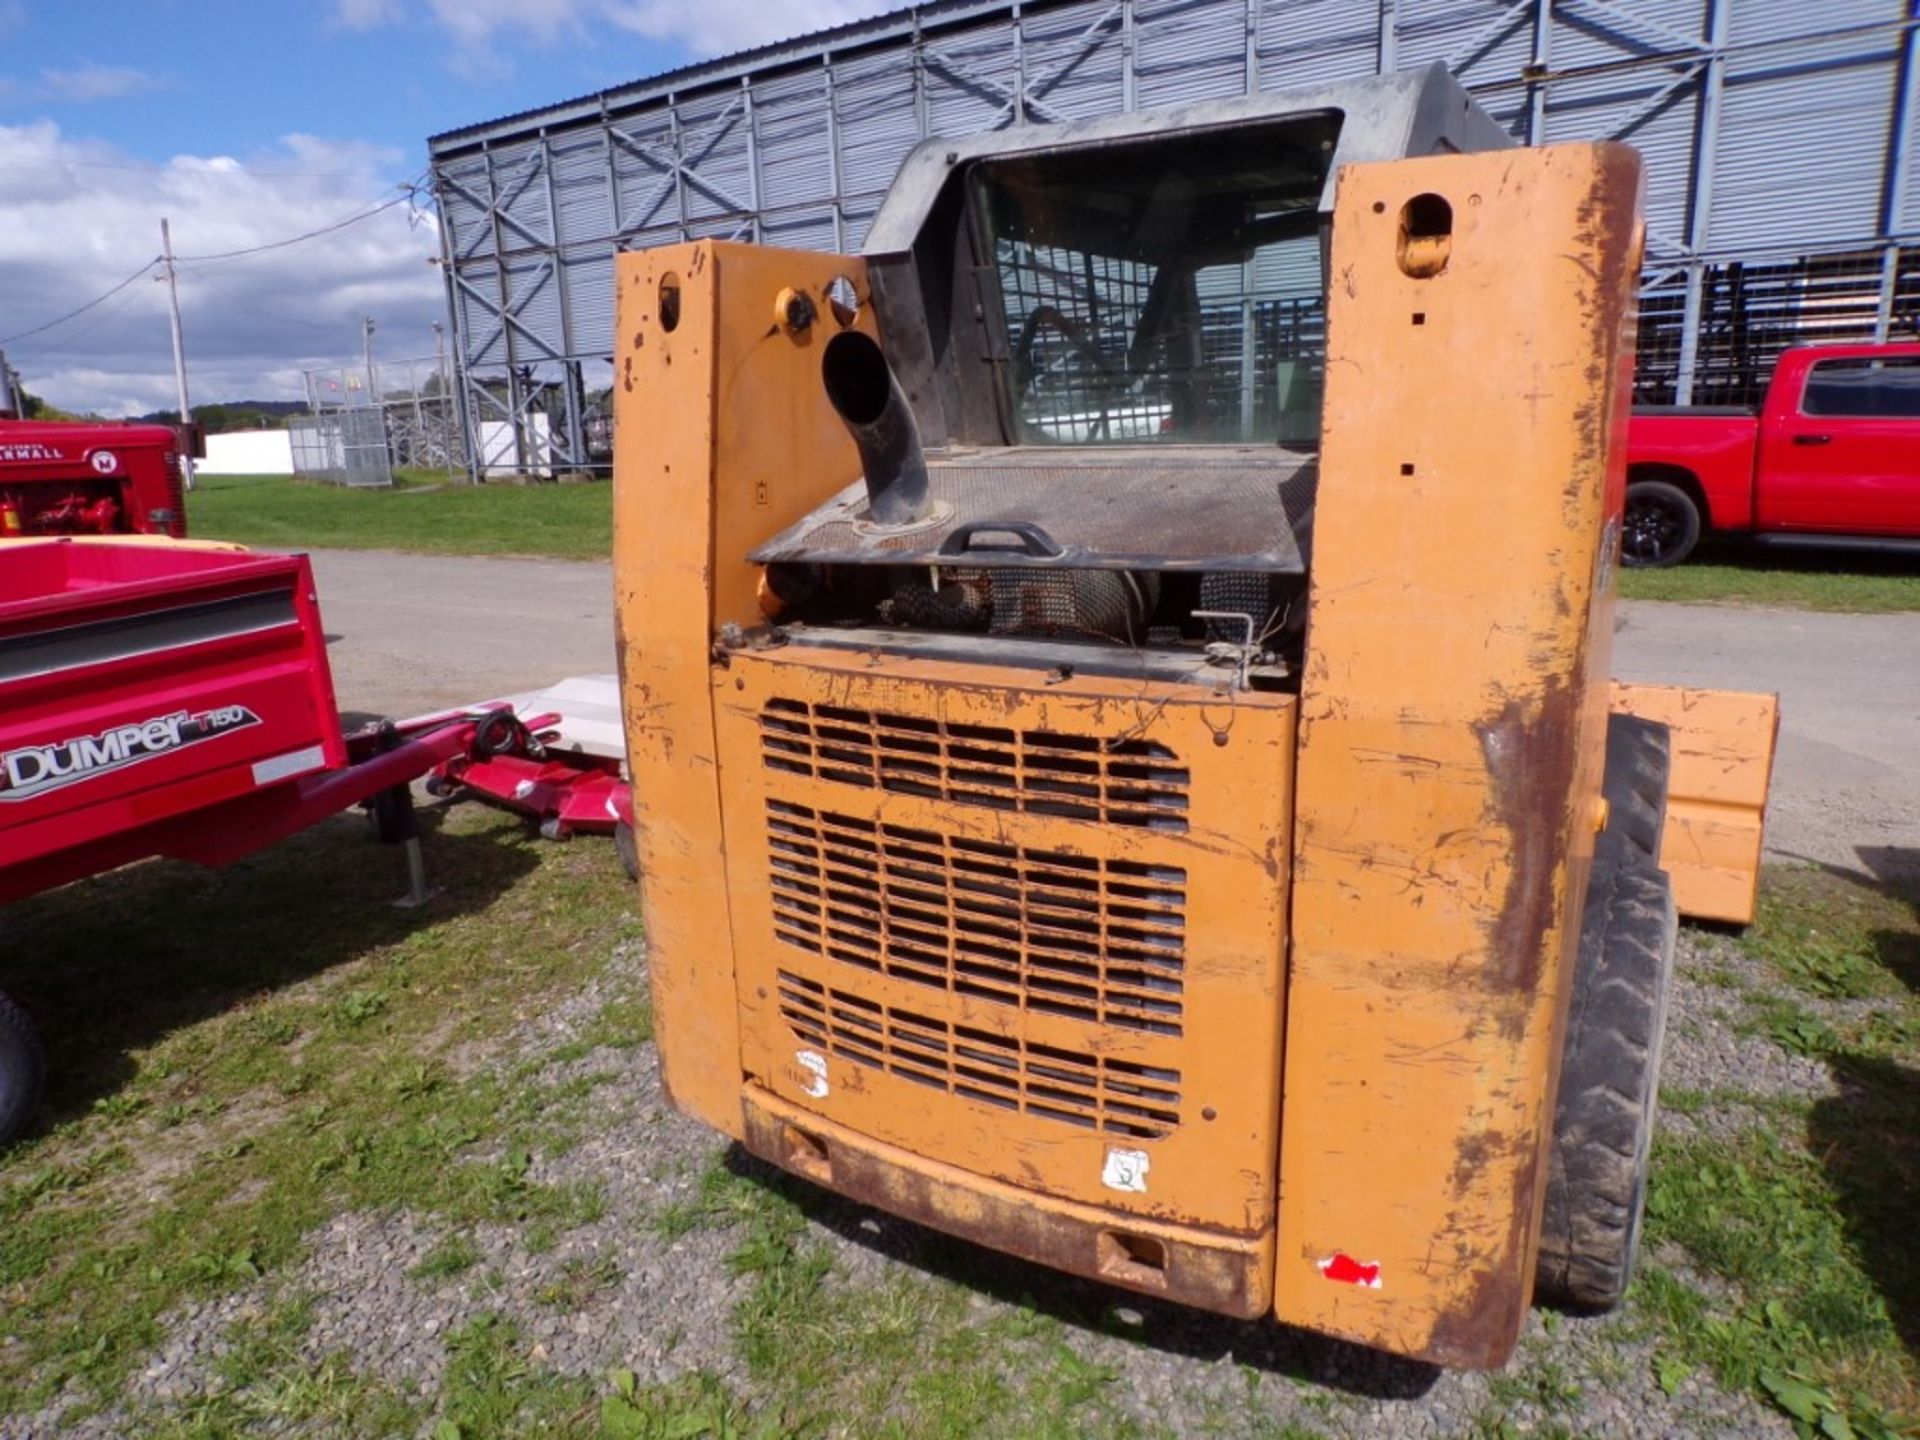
(248, 123)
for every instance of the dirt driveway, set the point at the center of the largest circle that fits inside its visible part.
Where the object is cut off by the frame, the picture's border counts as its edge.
(418, 632)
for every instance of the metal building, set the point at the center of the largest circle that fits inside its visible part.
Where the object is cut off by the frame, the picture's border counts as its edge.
(1780, 138)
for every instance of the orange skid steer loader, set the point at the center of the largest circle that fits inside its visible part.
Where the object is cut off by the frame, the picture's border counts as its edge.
(1116, 689)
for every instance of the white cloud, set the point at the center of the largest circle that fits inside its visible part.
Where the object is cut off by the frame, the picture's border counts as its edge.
(367, 14)
(82, 216)
(704, 28)
(719, 27)
(85, 83)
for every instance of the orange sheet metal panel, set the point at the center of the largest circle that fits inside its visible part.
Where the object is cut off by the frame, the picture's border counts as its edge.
(1032, 931)
(1451, 732)
(722, 441)
(1721, 745)
(1194, 1265)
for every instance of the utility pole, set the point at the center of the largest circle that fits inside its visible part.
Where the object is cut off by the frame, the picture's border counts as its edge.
(366, 346)
(10, 401)
(445, 414)
(179, 349)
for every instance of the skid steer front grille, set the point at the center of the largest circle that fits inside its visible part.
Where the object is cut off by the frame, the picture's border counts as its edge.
(1090, 1091)
(1092, 939)
(1131, 782)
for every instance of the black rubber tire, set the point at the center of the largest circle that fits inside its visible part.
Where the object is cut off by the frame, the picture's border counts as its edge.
(1609, 1083)
(500, 732)
(1635, 787)
(23, 1069)
(390, 815)
(627, 846)
(1661, 527)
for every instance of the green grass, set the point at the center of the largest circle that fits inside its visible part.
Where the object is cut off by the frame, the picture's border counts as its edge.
(424, 513)
(453, 1256)
(911, 1354)
(1831, 937)
(1802, 578)
(265, 1382)
(1802, 1218)
(222, 1091)
(238, 1056)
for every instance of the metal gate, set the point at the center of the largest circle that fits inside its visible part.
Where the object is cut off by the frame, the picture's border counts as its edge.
(347, 447)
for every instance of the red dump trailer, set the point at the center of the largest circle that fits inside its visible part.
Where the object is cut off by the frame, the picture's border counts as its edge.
(171, 699)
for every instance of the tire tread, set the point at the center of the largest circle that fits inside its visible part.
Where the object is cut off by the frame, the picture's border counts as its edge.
(1616, 1023)
(23, 1069)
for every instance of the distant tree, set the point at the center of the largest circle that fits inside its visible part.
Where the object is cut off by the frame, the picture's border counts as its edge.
(221, 417)
(38, 409)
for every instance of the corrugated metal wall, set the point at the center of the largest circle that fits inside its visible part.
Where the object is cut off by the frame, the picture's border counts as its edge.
(1780, 137)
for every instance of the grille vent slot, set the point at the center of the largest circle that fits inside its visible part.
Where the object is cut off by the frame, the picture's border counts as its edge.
(1132, 782)
(1098, 940)
(1089, 1091)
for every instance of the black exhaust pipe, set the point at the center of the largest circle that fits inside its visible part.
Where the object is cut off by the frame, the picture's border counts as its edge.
(862, 388)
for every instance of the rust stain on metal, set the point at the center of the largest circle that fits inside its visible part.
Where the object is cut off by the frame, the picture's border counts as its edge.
(1429, 899)
(1494, 1303)
(1530, 744)
(1214, 1270)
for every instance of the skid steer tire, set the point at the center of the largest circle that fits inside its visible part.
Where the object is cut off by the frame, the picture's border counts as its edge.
(627, 846)
(1609, 1079)
(1635, 790)
(23, 1070)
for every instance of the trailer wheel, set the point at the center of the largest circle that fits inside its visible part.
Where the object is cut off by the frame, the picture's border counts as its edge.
(1609, 1080)
(1661, 527)
(628, 848)
(23, 1069)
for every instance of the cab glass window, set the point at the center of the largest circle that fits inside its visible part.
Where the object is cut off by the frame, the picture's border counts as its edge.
(1163, 290)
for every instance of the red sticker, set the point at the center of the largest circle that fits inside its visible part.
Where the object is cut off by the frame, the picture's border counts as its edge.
(1349, 1271)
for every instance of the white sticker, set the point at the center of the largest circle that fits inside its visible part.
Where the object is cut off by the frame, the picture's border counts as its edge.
(285, 767)
(1125, 1170)
(815, 1064)
(105, 461)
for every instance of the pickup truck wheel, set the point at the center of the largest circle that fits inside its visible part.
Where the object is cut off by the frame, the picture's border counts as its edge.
(1609, 1078)
(1662, 525)
(23, 1069)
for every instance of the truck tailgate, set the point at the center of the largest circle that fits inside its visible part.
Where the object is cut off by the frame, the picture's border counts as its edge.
(138, 683)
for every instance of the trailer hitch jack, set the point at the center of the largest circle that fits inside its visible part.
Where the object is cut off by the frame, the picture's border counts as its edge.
(395, 823)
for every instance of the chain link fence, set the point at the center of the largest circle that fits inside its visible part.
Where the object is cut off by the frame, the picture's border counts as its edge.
(347, 447)
(366, 421)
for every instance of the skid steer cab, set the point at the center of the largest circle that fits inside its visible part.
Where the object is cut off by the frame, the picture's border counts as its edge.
(1116, 690)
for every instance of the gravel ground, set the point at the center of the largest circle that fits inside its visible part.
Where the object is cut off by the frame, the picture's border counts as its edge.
(661, 1308)
(1706, 1049)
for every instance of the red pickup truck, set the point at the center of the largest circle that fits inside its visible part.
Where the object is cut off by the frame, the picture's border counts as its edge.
(1834, 452)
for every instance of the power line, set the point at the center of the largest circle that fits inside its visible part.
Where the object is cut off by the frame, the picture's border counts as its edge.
(72, 314)
(408, 191)
(106, 316)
